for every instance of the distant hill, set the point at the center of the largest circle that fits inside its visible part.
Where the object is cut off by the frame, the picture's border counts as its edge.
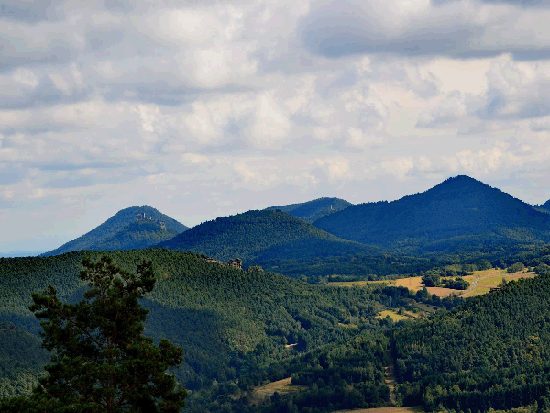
(458, 214)
(544, 207)
(254, 233)
(124, 231)
(8, 254)
(313, 210)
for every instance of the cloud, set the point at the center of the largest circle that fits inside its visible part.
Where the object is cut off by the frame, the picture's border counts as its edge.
(336, 169)
(398, 167)
(451, 108)
(462, 29)
(198, 107)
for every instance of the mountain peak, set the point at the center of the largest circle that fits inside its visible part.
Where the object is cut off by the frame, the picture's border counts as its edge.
(462, 180)
(134, 227)
(459, 210)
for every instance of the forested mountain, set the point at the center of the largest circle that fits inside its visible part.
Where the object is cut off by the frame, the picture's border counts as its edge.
(313, 210)
(459, 214)
(257, 236)
(545, 206)
(230, 323)
(124, 231)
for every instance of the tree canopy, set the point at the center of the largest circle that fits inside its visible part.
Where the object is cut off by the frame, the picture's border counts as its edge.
(100, 360)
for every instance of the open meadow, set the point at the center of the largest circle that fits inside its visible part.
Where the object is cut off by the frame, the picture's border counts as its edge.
(480, 282)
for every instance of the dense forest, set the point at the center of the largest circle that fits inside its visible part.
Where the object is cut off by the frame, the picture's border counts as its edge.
(460, 214)
(267, 233)
(313, 210)
(124, 232)
(490, 353)
(231, 323)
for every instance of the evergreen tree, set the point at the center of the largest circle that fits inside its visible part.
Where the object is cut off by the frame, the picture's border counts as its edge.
(100, 360)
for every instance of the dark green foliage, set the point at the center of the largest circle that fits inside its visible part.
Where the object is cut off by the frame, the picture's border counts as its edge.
(542, 269)
(100, 360)
(339, 376)
(21, 360)
(231, 323)
(313, 210)
(431, 278)
(460, 214)
(254, 234)
(515, 267)
(124, 232)
(492, 352)
(458, 283)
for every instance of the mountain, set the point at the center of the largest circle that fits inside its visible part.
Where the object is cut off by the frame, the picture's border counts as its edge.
(544, 207)
(460, 213)
(266, 233)
(125, 231)
(9, 254)
(313, 210)
(229, 322)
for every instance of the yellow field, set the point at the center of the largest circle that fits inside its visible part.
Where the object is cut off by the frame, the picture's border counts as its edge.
(486, 280)
(263, 393)
(393, 315)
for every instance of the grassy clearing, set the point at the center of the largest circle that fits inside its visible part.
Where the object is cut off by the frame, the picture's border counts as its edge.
(487, 279)
(262, 394)
(393, 315)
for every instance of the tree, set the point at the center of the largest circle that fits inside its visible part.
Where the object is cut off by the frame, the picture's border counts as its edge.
(101, 362)
(516, 267)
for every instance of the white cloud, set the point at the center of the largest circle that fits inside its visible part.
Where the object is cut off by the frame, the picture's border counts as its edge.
(464, 28)
(208, 104)
(25, 77)
(398, 167)
(337, 169)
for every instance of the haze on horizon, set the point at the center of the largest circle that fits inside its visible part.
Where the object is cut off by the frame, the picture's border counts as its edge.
(204, 109)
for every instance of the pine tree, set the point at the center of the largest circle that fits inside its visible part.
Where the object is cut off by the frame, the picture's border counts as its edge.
(101, 362)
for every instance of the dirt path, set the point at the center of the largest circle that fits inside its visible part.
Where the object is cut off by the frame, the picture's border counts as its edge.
(471, 287)
(390, 378)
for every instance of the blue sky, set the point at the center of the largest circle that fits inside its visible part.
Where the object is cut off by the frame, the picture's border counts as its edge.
(205, 109)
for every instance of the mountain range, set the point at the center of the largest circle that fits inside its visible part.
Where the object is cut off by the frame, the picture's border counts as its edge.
(459, 214)
(332, 344)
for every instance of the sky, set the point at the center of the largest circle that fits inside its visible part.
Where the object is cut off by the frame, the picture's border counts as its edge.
(211, 108)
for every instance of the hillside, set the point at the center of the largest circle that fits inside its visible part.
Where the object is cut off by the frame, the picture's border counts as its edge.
(266, 234)
(545, 207)
(313, 210)
(459, 214)
(124, 231)
(492, 352)
(230, 322)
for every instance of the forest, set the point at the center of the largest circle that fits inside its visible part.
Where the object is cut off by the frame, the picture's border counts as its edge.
(232, 323)
(284, 317)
